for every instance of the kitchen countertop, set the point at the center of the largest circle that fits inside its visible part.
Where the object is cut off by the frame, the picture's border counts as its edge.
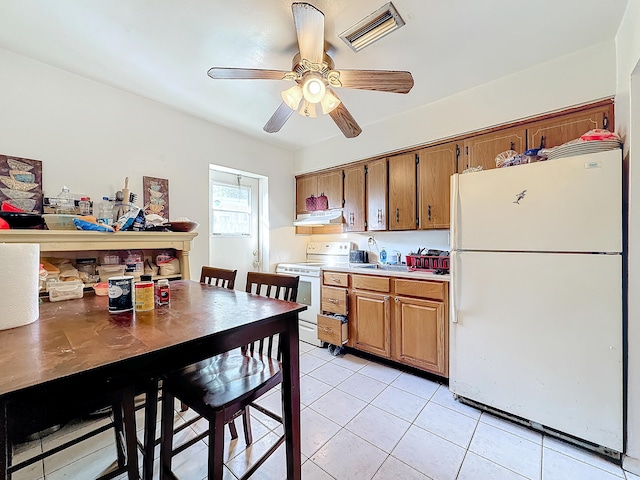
(417, 275)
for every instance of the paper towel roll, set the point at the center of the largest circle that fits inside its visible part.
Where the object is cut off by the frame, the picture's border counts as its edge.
(19, 265)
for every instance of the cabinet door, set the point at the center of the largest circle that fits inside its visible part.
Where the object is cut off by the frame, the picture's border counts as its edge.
(330, 183)
(354, 199)
(377, 199)
(558, 130)
(305, 187)
(436, 166)
(370, 322)
(402, 192)
(482, 150)
(420, 334)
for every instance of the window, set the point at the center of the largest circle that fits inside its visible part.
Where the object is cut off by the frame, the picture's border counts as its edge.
(230, 209)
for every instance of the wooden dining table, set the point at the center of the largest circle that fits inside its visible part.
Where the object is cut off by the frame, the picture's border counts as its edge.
(75, 342)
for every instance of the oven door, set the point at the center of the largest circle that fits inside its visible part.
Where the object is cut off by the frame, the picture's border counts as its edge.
(309, 295)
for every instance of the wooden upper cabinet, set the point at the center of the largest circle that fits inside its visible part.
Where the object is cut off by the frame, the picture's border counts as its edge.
(482, 150)
(555, 131)
(330, 183)
(435, 168)
(305, 187)
(402, 192)
(377, 199)
(354, 198)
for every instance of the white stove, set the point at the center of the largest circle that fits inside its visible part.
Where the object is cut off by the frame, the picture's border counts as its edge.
(319, 255)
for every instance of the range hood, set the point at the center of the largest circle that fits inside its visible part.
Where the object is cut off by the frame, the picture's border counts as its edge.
(322, 217)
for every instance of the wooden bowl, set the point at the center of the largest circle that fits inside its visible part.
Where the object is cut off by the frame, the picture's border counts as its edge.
(182, 226)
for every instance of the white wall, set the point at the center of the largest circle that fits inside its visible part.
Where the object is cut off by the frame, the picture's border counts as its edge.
(579, 78)
(628, 120)
(90, 136)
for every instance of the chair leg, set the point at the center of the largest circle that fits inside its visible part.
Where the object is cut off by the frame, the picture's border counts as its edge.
(246, 422)
(118, 428)
(129, 410)
(233, 430)
(166, 428)
(216, 446)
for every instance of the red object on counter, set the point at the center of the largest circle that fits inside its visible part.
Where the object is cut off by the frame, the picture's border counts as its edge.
(4, 225)
(427, 262)
(7, 207)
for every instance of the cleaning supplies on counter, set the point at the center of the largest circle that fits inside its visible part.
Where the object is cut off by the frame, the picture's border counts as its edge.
(383, 255)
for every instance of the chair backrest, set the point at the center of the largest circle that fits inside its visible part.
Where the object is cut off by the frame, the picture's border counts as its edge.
(219, 277)
(283, 287)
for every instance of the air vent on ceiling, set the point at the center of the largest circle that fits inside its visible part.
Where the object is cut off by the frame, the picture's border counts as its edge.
(372, 28)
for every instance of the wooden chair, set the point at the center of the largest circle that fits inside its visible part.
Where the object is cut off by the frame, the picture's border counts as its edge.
(222, 388)
(219, 277)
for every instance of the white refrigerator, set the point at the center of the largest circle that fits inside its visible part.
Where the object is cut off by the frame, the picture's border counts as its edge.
(536, 294)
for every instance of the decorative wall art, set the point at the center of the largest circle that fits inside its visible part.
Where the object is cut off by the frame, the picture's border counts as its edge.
(156, 196)
(20, 184)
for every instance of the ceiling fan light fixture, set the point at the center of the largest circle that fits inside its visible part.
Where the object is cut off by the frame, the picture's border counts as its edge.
(329, 102)
(292, 97)
(313, 87)
(372, 28)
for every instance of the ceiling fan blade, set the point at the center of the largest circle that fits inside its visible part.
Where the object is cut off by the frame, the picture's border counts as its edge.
(278, 119)
(246, 73)
(310, 30)
(380, 80)
(345, 122)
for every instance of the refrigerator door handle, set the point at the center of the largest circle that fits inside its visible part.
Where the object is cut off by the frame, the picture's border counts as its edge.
(455, 214)
(455, 286)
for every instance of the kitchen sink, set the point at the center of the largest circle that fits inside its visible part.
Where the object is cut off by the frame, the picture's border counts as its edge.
(376, 266)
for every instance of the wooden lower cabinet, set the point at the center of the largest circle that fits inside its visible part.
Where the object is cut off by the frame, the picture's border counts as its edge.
(397, 318)
(370, 322)
(420, 336)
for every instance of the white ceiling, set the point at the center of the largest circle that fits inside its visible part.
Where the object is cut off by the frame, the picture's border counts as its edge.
(162, 49)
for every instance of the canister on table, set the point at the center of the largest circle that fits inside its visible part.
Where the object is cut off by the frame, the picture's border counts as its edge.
(162, 293)
(120, 294)
(144, 294)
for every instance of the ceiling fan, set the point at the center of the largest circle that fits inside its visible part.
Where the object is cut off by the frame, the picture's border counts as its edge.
(313, 71)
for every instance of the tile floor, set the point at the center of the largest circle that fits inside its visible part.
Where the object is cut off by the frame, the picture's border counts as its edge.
(360, 421)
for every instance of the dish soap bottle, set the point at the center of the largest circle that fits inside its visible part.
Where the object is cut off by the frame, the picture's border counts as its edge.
(383, 255)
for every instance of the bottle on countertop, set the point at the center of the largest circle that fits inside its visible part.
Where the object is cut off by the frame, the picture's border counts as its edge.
(383, 255)
(65, 202)
(162, 292)
(104, 214)
(85, 206)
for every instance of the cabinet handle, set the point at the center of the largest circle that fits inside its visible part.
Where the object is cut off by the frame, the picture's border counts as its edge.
(605, 121)
(397, 299)
(513, 146)
(335, 279)
(429, 212)
(386, 298)
(351, 218)
(379, 216)
(397, 214)
(332, 300)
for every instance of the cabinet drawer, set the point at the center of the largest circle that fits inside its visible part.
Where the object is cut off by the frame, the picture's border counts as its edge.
(332, 330)
(334, 300)
(369, 282)
(334, 278)
(420, 288)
